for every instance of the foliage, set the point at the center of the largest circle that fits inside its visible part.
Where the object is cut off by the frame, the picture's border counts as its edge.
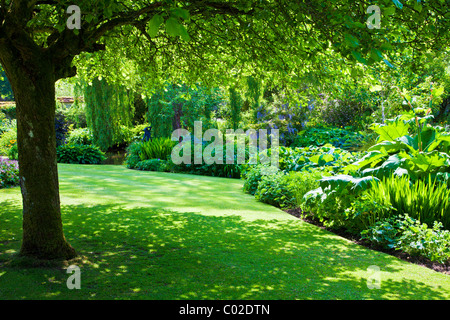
(61, 128)
(7, 140)
(418, 239)
(6, 92)
(327, 157)
(108, 107)
(158, 148)
(283, 110)
(424, 200)
(340, 138)
(79, 154)
(9, 173)
(418, 155)
(329, 202)
(75, 115)
(80, 136)
(9, 110)
(411, 236)
(179, 106)
(151, 165)
(13, 152)
(7, 124)
(252, 176)
(274, 190)
(339, 113)
(286, 190)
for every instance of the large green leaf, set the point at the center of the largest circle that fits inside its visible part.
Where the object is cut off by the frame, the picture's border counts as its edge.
(175, 28)
(154, 25)
(391, 131)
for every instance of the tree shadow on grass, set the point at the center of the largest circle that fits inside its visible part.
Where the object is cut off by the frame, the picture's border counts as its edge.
(147, 253)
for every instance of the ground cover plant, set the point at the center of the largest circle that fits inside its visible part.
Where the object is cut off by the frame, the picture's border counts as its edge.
(152, 235)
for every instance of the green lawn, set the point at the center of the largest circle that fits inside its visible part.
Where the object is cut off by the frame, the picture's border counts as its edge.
(147, 235)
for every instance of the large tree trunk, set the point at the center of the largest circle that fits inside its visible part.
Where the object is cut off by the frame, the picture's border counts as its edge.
(33, 83)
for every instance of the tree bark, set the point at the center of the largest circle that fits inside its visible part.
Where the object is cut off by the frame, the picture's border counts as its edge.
(33, 82)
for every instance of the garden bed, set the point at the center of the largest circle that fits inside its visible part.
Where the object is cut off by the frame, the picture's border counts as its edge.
(422, 261)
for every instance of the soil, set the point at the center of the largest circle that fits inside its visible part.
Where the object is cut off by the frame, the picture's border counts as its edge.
(443, 268)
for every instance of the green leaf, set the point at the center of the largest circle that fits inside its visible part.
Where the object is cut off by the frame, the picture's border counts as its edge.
(351, 40)
(175, 28)
(389, 11)
(438, 92)
(181, 13)
(391, 131)
(359, 57)
(376, 55)
(154, 25)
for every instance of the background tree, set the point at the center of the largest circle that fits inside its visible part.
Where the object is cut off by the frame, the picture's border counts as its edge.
(192, 41)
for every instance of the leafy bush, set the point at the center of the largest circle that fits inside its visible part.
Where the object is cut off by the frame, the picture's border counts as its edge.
(13, 152)
(273, 189)
(158, 148)
(151, 165)
(229, 168)
(338, 137)
(133, 155)
(9, 173)
(286, 190)
(82, 154)
(336, 194)
(10, 111)
(81, 136)
(252, 176)
(327, 158)
(411, 236)
(426, 152)
(7, 124)
(61, 128)
(7, 140)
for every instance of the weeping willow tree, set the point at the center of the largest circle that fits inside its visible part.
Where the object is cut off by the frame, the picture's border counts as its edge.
(108, 108)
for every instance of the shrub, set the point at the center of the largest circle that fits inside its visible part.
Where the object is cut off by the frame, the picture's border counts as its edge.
(151, 165)
(82, 154)
(411, 236)
(327, 158)
(329, 202)
(302, 182)
(274, 190)
(81, 136)
(159, 148)
(7, 140)
(6, 124)
(13, 152)
(9, 173)
(10, 111)
(252, 177)
(286, 190)
(133, 155)
(338, 137)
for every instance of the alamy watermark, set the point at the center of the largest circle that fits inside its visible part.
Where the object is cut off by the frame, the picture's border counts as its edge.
(374, 278)
(74, 281)
(235, 140)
